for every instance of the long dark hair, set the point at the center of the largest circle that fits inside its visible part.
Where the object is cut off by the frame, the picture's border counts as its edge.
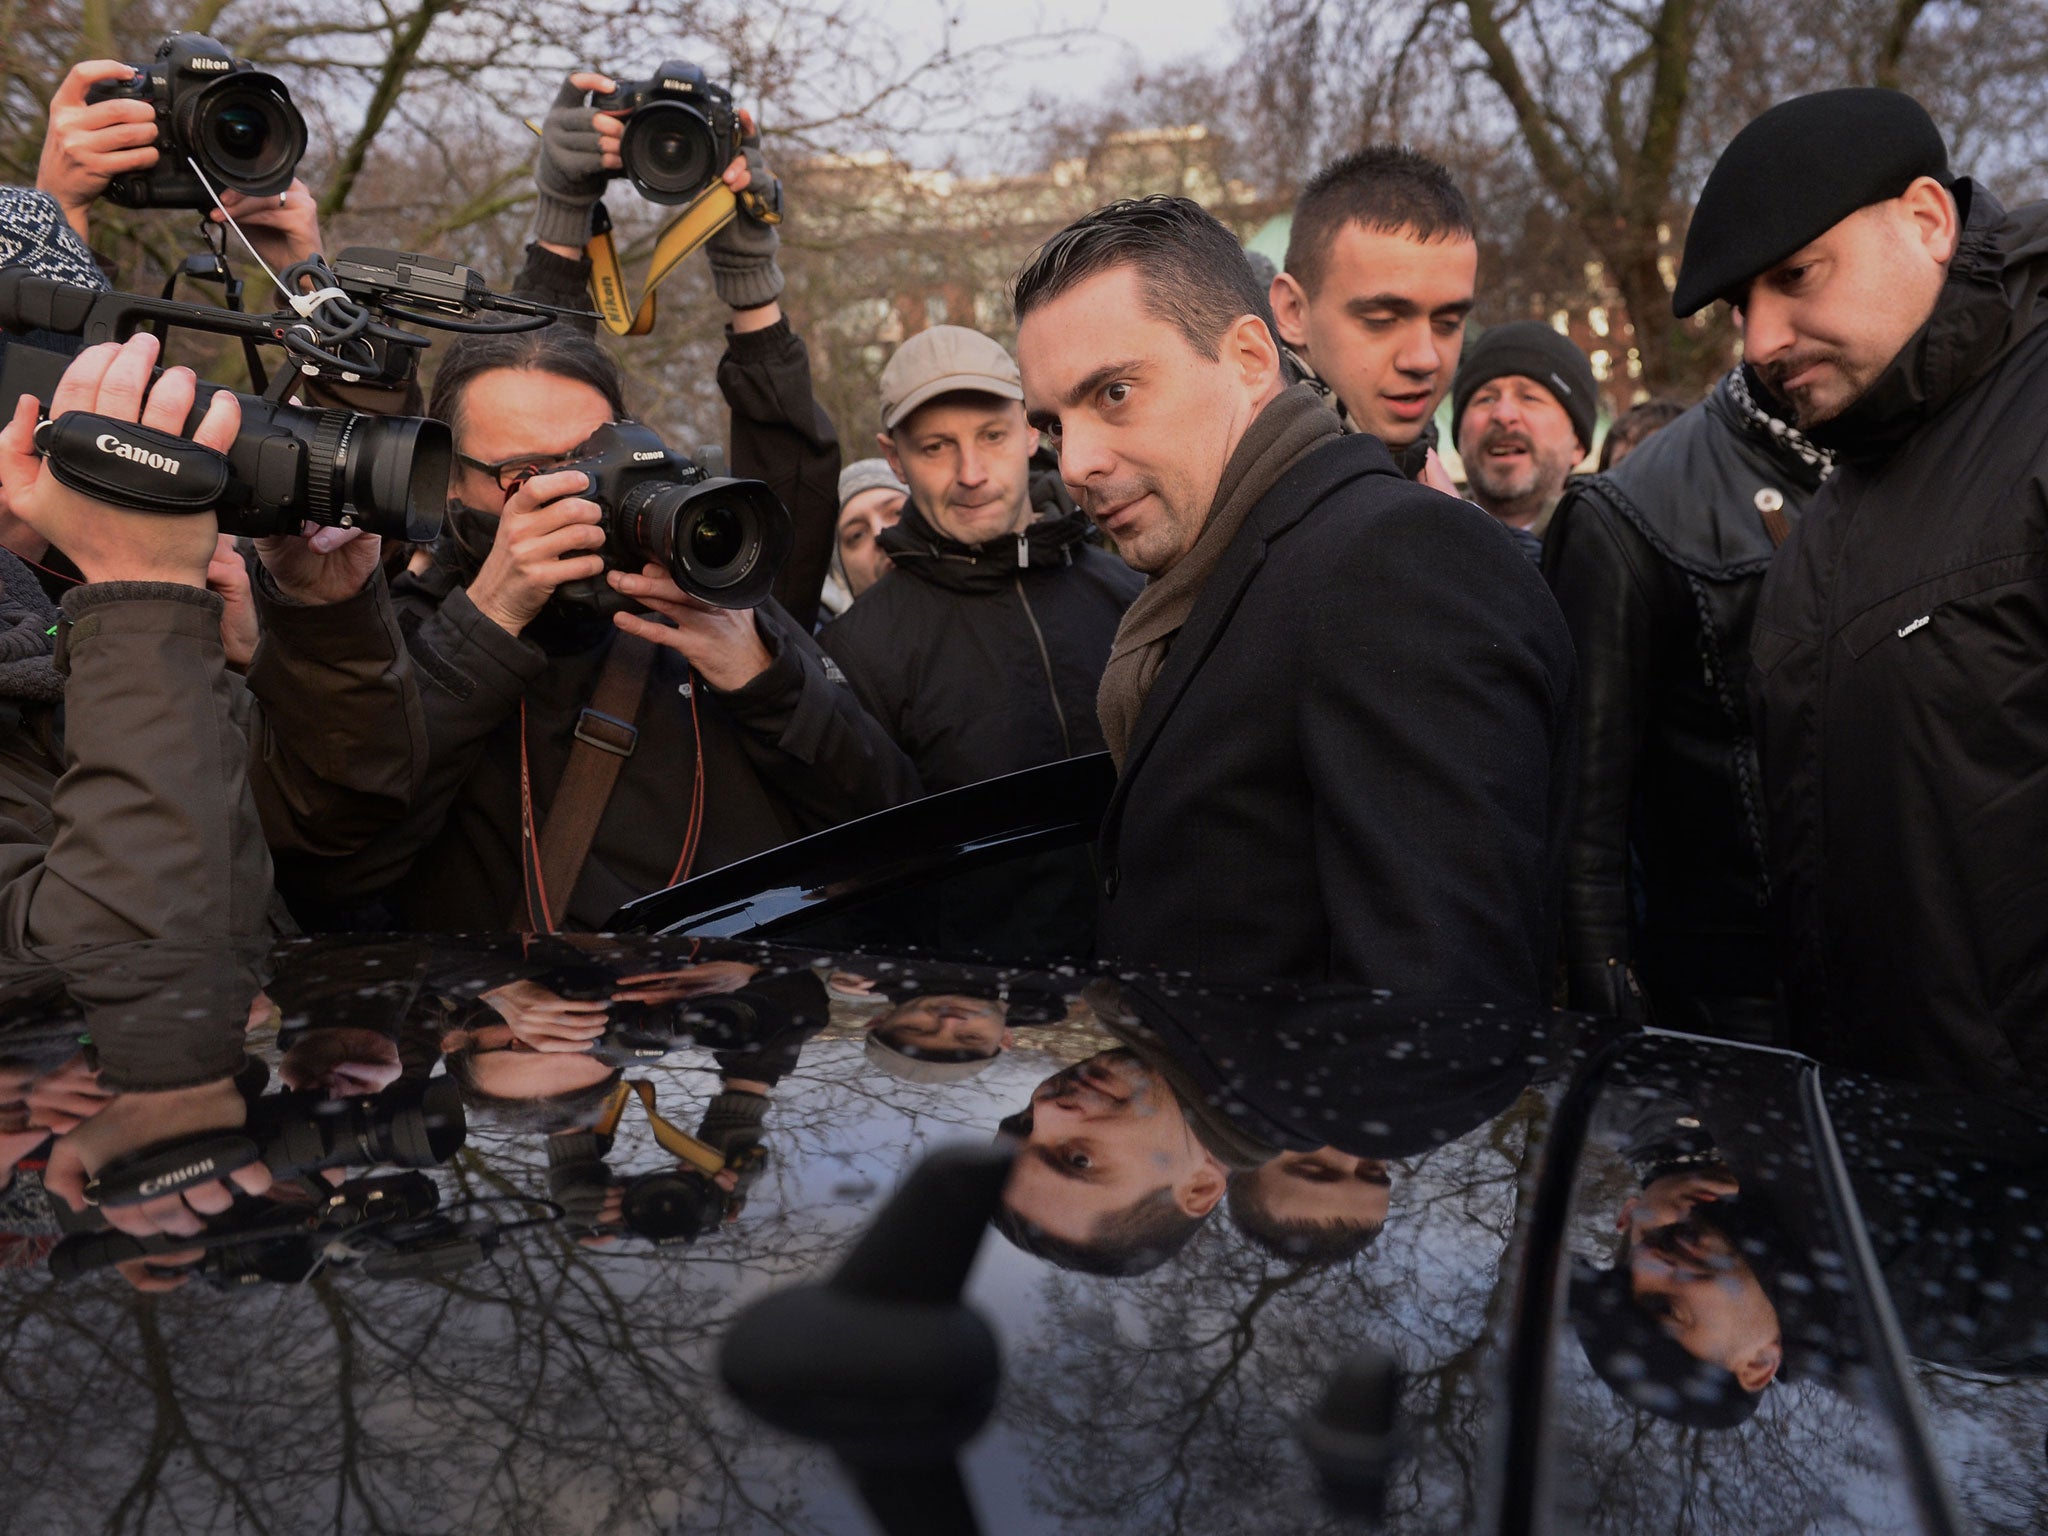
(559, 349)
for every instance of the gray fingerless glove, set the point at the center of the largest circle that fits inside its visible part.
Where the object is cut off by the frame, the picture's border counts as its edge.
(743, 269)
(569, 173)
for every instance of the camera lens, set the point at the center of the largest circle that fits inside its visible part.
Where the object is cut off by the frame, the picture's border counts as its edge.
(671, 1207)
(242, 130)
(245, 133)
(716, 540)
(669, 152)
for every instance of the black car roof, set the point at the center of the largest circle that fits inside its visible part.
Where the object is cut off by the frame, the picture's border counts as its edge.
(558, 1387)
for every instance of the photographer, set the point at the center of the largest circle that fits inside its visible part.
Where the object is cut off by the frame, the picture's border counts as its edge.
(734, 739)
(780, 433)
(89, 143)
(144, 787)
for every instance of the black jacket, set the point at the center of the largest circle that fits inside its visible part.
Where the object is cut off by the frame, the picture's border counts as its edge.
(1356, 762)
(790, 753)
(780, 433)
(1658, 565)
(1902, 694)
(984, 659)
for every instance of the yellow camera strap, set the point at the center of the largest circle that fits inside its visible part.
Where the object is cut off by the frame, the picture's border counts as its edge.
(706, 1159)
(701, 218)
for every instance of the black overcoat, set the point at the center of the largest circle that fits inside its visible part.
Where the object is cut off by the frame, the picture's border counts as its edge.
(1902, 694)
(1355, 764)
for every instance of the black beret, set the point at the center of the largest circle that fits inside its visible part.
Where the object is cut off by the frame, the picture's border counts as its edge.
(1532, 350)
(1793, 175)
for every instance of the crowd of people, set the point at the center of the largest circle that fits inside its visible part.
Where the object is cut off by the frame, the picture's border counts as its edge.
(1742, 732)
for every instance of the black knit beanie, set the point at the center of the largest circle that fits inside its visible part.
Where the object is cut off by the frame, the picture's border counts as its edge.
(1534, 351)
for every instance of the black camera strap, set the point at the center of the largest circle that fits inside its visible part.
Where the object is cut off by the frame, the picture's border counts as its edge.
(168, 1168)
(133, 466)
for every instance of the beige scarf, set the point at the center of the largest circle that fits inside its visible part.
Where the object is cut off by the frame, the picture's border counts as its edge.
(1291, 427)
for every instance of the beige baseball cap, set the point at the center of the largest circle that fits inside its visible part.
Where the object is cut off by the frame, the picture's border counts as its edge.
(940, 361)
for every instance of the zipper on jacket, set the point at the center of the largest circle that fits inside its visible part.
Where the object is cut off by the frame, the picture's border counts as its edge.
(1045, 657)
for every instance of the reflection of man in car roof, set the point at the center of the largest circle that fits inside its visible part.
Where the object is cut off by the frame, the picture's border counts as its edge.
(1113, 1176)
(943, 1024)
(1313, 1207)
(1684, 1324)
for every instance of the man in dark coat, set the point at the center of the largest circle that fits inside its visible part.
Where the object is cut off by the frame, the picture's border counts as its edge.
(1342, 707)
(1658, 565)
(981, 651)
(1902, 642)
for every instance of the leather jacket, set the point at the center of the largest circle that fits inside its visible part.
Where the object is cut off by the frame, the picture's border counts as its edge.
(1658, 565)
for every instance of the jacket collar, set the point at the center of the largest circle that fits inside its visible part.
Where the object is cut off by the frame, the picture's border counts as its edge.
(1293, 497)
(1049, 541)
(1995, 294)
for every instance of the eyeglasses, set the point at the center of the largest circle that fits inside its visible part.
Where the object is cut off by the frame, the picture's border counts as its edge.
(512, 473)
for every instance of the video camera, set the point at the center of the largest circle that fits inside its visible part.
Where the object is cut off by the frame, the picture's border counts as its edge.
(220, 122)
(390, 1227)
(289, 464)
(681, 131)
(409, 1125)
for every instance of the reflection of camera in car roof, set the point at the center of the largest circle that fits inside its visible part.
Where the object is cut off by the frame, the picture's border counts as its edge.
(681, 131)
(236, 122)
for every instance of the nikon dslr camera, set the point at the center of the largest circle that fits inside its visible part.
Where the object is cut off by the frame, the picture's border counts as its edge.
(681, 131)
(234, 121)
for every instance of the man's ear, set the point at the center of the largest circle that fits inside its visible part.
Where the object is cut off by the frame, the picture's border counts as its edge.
(1290, 309)
(1932, 209)
(1249, 348)
(1761, 1368)
(1197, 1194)
(887, 442)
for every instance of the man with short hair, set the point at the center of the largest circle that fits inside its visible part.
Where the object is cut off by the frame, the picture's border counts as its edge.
(1525, 412)
(1341, 709)
(1902, 674)
(980, 652)
(1112, 1175)
(1381, 263)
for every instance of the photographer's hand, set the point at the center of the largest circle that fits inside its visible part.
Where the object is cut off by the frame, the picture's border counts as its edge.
(545, 537)
(65, 1099)
(579, 149)
(132, 1121)
(723, 644)
(547, 1021)
(227, 576)
(89, 144)
(110, 543)
(285, 231)
(744, 272)
(329, 565)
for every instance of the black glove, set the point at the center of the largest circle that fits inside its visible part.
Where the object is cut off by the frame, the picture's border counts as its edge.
(578, 1179)
(743, 269)
(569, 173)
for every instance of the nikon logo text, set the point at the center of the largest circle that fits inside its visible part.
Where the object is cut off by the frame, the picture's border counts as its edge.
(106, 442)
(214, 66)
(176, 1176)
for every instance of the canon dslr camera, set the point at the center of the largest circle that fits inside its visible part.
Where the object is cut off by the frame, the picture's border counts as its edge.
(681, 131)
(234, 121)
(722, 540)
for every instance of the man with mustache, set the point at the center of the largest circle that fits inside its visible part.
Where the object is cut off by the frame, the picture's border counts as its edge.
(1525, 409)
(981, 649)
(1901, 644)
